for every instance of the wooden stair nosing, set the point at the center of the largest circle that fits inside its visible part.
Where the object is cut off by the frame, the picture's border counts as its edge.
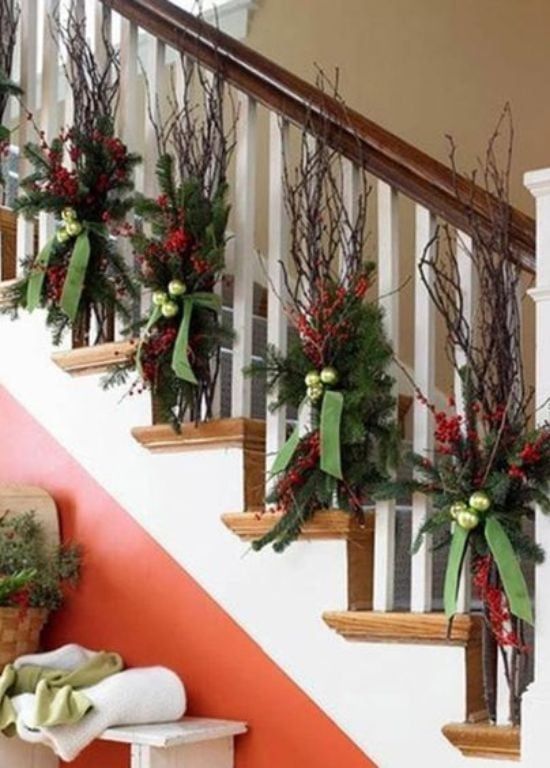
(248, 434)
(325, 524)
(83, 361)
(485, 740)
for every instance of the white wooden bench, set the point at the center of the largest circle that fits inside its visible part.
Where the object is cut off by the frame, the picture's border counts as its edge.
(190, 743)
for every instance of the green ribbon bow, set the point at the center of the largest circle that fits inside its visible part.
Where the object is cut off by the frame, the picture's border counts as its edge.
(329, 428)
(180, 357)
(507, 564)
(74, 281)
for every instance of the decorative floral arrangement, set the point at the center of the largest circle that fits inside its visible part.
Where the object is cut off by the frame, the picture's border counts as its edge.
(180, 257)
(34, 574)
(83, 177)
(490, 467)
(336, 369)
(9, 21)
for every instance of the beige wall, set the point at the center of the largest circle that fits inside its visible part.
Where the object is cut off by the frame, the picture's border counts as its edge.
(422, 69)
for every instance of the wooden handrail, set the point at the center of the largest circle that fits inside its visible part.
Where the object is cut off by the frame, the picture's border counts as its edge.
(388, 157)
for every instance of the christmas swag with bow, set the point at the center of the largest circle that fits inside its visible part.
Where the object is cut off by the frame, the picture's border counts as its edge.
(335, 374)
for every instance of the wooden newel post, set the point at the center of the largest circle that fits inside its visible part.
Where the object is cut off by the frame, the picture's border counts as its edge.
(536, 701)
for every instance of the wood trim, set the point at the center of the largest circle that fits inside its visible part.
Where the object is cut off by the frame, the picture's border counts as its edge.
(219, 433)
(325, 524)
(85, 361)
(421, 629)
(388, 157)
(501, 742)
(8, 243)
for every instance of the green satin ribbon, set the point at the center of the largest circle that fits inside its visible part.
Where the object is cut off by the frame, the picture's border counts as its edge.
(457, 553)
(507, 564)
(180, 356)
(74, 281)
(329, 428)
(509, 570)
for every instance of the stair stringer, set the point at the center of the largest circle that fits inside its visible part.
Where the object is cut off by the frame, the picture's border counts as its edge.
(391, 700)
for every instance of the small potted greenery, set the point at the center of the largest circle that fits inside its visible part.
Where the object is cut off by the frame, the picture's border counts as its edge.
(34, 575)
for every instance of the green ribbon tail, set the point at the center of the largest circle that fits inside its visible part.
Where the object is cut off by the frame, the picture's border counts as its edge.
(155, 316)
(454, 569)
(331, 418)
(76, 274)
(180, 358)
(509, 570)
(38, 275)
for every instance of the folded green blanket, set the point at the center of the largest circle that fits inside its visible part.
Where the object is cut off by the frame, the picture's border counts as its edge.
(58, 698)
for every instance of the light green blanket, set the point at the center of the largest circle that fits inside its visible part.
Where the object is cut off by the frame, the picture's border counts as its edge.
(59, 700)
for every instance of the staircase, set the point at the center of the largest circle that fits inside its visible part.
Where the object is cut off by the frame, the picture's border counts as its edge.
(358, 580)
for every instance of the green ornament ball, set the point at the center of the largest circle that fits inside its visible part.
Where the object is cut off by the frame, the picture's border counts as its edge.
(480, 501)
(329, 376)
(457, 508)
(312, 379)
(169, 309)
(68, 214)
(74, 228)
(315, 393)
(176, 288)
(62, 236)
(159, 297)
(468, 519)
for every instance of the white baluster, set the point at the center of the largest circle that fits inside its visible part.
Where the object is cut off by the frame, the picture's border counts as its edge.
(28, 79)
(102, 32)
(424, 374)
(277, 257)
(154, 69)
(49, 112)
(243, 293)
(351, 191)
(388, 280)
(536, 702)
(467, 278)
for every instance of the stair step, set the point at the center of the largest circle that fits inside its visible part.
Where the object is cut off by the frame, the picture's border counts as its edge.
(325, 524)
(85, 361)
(485, 740)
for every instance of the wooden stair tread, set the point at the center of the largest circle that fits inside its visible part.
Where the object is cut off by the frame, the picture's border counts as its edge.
(422, 628)
(218, 433)
(165, 735)
(485, 740)
(325, 524)
(85, 361)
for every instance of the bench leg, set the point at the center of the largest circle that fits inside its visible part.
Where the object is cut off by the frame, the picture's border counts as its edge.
(202, 754)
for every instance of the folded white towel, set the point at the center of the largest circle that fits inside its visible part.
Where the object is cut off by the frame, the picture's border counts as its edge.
(67, 657)
(132, 697)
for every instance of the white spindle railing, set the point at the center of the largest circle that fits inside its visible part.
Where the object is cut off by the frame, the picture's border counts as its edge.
(424, 373)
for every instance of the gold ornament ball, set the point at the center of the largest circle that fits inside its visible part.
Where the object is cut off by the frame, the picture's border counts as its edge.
(176, 288)
(159, 297)
(480, 501)
(457, 508)
(312, 379)
(329, 376)
(315, 393)
(467, 519)
(68, 214)
(62, 236)
(74, 228)
(169, 309)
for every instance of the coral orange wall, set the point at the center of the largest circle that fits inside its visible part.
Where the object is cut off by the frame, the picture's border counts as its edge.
(135, 599)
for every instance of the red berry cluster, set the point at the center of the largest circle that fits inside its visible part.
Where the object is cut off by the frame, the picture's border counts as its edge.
(498, 611)
(305, 458)
(55, 280)
(157, 345)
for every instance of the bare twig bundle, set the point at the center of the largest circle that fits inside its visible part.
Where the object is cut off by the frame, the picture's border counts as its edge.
(94, 86)
(489, 344)
(9, 20)
(194, 130)
(327, 238)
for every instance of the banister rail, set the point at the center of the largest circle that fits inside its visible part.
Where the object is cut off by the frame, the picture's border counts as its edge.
(389, 158)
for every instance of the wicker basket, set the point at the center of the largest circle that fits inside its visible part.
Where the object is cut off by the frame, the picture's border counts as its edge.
(20, 632)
